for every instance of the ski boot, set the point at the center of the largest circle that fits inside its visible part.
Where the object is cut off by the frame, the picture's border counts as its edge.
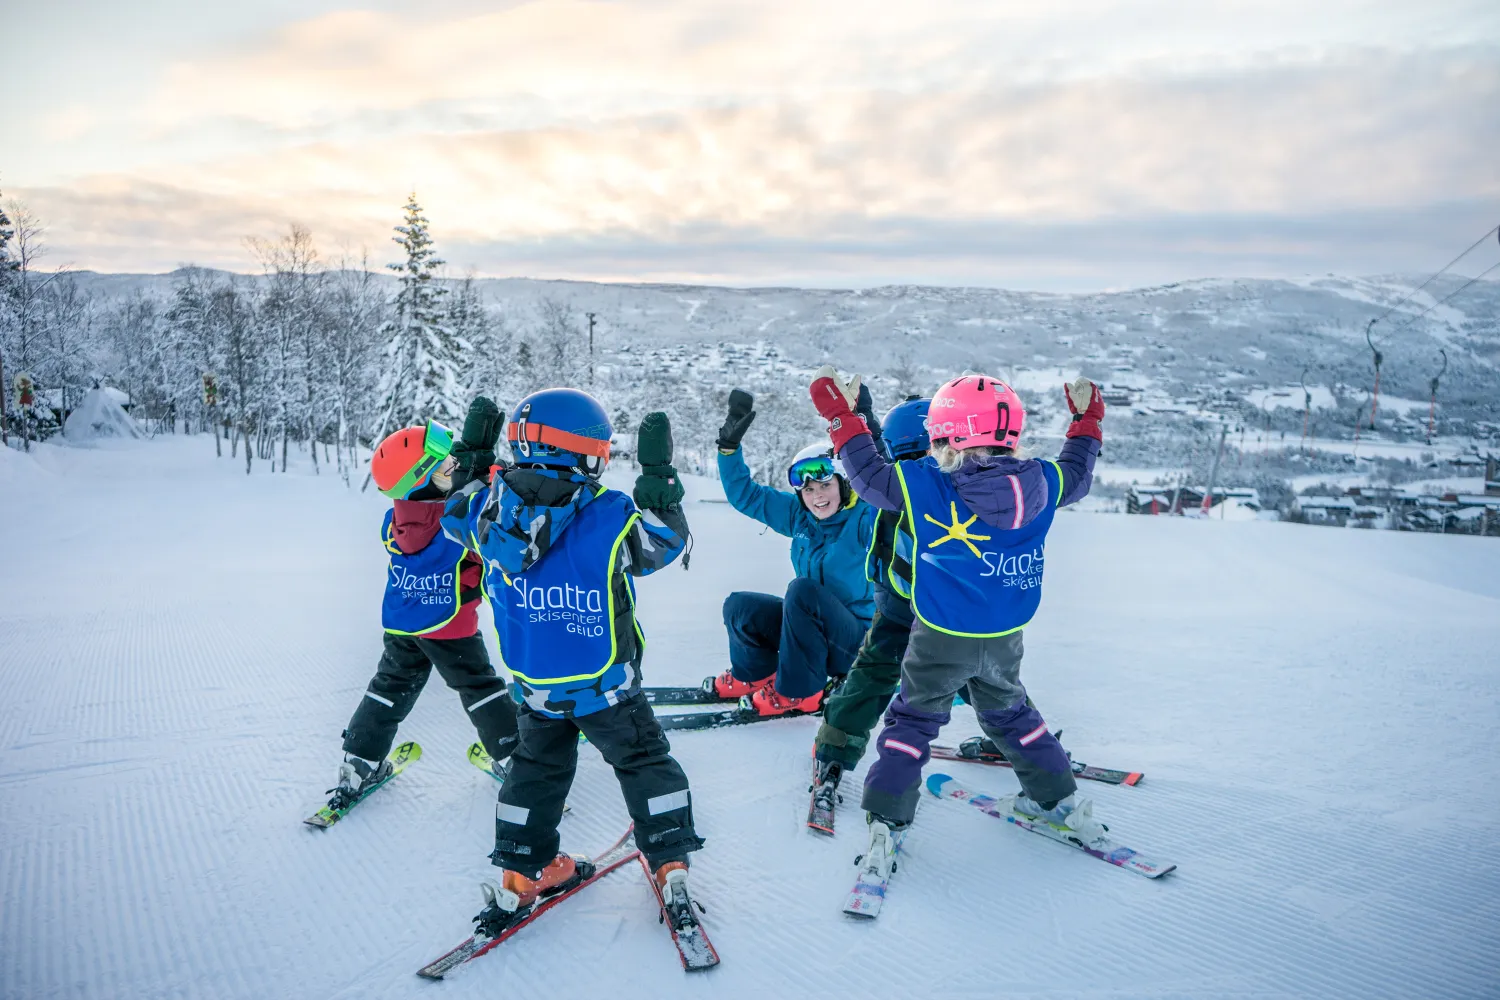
(886, 838)
(980, 748)
(357, 777)
(517, 894)
(676, 904)
(727, 687)
(825, 795)
(1072, 816)
(768, 701)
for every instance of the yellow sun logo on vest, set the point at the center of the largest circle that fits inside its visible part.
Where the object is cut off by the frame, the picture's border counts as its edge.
(958, 531)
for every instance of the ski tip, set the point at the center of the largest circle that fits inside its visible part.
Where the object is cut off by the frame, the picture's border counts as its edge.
(408, 752)
(478, 755)
(1133, 778)
(935, 783)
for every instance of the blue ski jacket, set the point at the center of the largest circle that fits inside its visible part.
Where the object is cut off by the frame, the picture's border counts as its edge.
(830, 552)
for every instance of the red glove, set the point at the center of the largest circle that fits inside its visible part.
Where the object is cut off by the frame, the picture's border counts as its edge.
(835, 401)
(1088, 409)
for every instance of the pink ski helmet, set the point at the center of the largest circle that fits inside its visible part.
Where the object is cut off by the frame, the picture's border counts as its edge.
(974, 410)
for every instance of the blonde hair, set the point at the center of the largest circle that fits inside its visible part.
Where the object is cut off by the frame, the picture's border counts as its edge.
(950, 459)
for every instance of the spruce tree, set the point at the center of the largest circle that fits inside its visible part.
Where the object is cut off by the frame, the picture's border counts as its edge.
(421, 379)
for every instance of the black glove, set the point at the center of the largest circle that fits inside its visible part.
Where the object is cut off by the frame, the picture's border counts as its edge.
(864, 405)
(474, 451)
(658, 486)
(741, 416)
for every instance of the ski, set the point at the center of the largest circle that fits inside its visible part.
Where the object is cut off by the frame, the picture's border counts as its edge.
(876, 867)
(825, 799)
(741, 715)
(979, 750)
(336, 809)
(693, 946)
(480, 758)
(1104, 848)
(591, 870)
(703, 694)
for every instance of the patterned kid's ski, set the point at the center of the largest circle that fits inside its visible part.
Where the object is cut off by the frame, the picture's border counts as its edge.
(480, 758)
(1104, 848)
(693, 946)
(981, 751)
(590, 870)
(875, 868)
(337, 809)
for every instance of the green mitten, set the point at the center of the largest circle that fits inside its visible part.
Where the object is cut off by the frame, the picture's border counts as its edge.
(474, 451)
(658, 485)
(654, 442)
(658, 490)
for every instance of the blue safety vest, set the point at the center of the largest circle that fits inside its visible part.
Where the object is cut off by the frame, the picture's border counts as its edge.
(423, 591)
(556, 619)
(970, 578)
(888, 559)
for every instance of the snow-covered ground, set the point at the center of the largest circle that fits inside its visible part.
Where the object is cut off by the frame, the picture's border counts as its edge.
(181, 645)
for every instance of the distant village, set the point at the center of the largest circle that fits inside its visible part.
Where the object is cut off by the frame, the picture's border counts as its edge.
(1395, 508)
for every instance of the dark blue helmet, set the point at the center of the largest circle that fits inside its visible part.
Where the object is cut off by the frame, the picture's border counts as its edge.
(560, 428)
(905, 428)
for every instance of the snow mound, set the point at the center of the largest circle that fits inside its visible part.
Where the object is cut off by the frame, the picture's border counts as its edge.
(19, 471)
(99, 416)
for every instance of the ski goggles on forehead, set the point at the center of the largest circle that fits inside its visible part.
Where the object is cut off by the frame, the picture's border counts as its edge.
(817, 469)
(437, 444)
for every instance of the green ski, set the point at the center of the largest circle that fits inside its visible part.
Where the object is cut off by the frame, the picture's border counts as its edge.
(336, 809)
(480, 758)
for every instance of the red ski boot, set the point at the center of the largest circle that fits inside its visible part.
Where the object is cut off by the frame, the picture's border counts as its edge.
(727, 687)
(768, 701)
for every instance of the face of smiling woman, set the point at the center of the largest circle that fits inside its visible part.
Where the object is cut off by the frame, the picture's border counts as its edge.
(822, 499)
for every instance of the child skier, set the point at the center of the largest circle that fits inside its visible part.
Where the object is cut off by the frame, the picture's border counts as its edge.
(852, 710)
(974, 586)
(559, 551)
(432, 590)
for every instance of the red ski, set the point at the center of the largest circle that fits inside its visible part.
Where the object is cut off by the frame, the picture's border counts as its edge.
(591, 869)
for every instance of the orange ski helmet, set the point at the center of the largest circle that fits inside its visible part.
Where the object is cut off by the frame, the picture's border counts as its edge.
(404, 461)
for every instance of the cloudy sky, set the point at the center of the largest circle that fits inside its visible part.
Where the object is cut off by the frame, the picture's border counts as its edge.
(1066, 144)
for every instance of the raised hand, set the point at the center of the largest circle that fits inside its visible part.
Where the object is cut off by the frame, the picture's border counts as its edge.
(658, 486)
(835, 400)
(474, 452)
(741, 416)
(1087, 407)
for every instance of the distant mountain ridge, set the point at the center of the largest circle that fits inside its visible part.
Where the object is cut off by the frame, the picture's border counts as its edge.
(1178, 340)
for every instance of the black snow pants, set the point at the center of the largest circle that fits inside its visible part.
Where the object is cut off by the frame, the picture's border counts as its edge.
(404, 668)
(630, 739)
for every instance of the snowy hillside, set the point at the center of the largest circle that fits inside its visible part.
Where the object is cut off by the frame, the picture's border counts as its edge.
(1191, 340)
(181, 645)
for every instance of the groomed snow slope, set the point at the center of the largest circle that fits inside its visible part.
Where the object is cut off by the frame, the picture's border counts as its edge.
(180, 647)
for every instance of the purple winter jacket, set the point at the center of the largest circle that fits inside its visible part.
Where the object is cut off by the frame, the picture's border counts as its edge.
(1005, 492)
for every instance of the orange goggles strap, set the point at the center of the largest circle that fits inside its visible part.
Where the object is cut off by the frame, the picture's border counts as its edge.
(566, 440)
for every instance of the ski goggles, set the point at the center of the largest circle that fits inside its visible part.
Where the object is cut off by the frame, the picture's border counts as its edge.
(817, 469)
(437, 445)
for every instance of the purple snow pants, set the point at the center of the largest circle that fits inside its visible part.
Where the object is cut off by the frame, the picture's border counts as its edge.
(936, 667)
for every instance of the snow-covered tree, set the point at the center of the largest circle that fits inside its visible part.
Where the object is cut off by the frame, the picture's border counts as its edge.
(422, 378)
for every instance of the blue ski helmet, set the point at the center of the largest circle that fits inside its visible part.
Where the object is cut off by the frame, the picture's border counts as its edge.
(561, 429)
(905, 428)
